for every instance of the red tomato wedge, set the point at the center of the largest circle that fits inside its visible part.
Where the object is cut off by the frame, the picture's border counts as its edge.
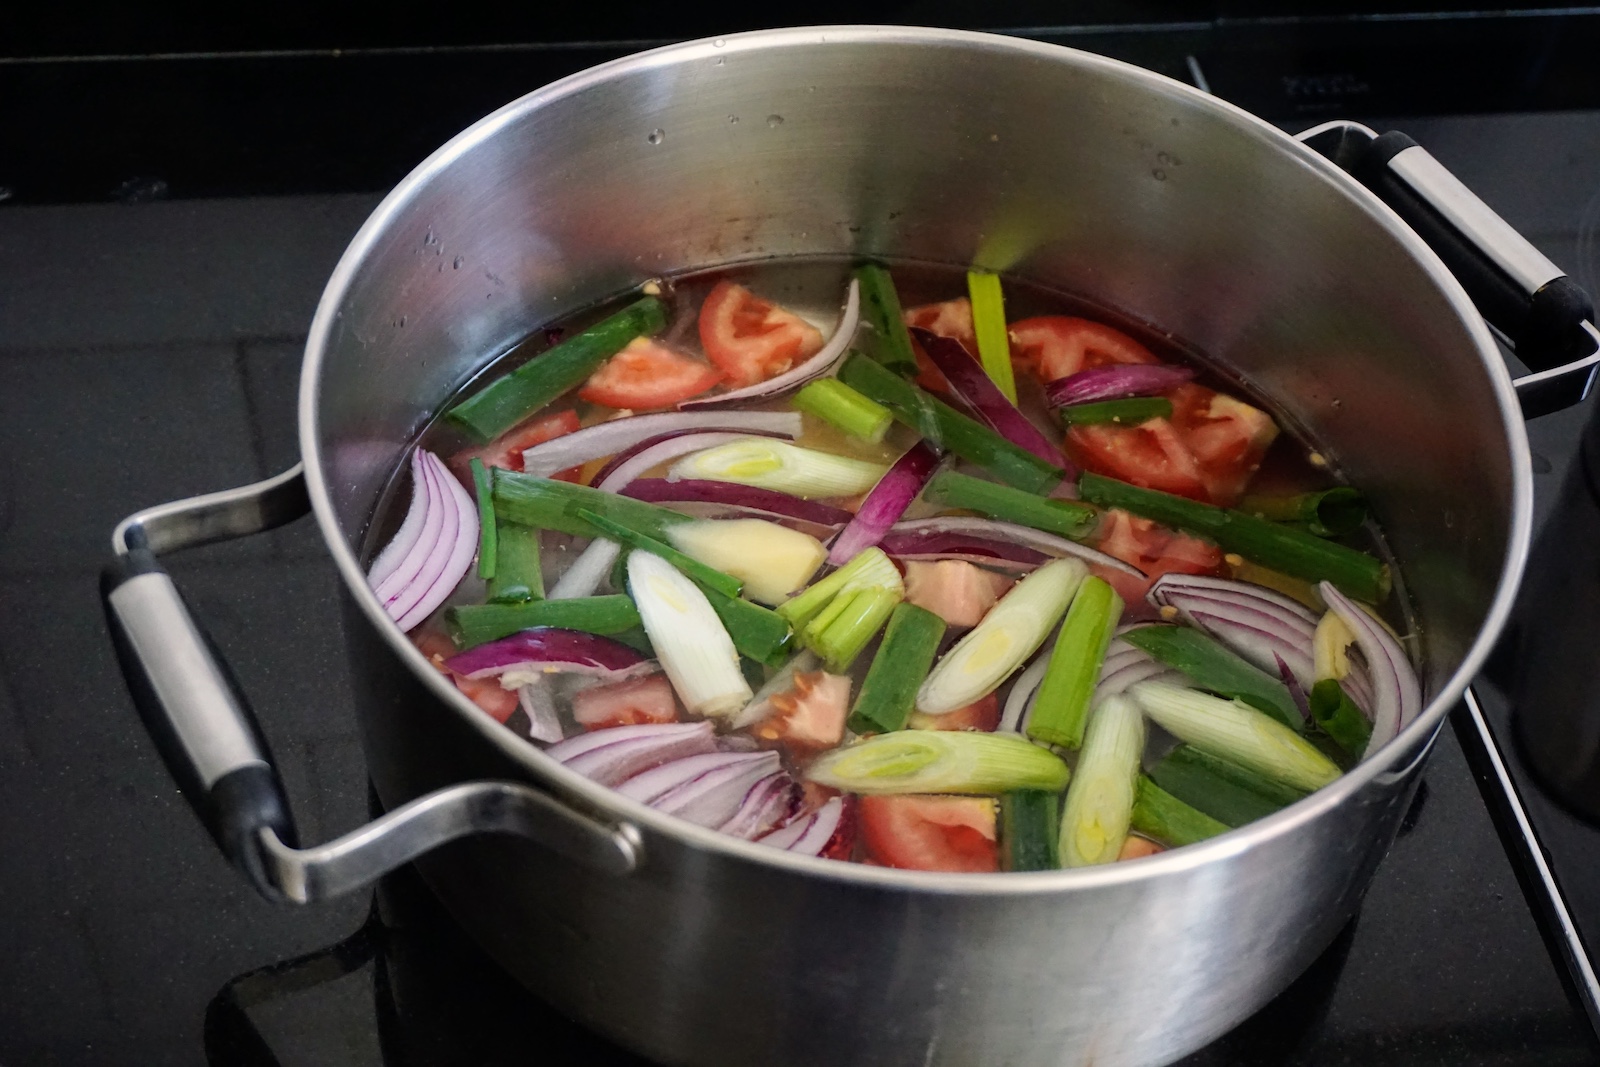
(1151, 454)
(953, 319)
(630, 703)
(487, 693)
(752, 339)
(646, 376)
(1137, 848)
(959, 592)
(1228, 438)
(982, 715)
(506, 451)
(1155, 550)
(1056, 346)
(930, 833)
(810, 717)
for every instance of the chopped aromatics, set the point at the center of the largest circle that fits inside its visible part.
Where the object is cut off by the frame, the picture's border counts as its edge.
(1137, 848)
(1159, 815)
(694, 648)
(1232, 730)
(1226, 791)
(1100, 795)
(752, 339)
(1215, 669)
(886, 336)
(628, 703)
(1340, 718)
(989, 327)
(1062, 706)
(772, 561)
(427, 558)
(837, 404)
(647, 376)
(810, 716)
(1029, 830)
(923, 833)
(959, 593)
(927, 761)
(890, 690)
(982, 715)
(786, 468)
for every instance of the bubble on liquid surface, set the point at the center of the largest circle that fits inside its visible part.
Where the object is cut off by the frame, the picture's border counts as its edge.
(718, 43)
(656, 136)
(733, 119)
(774, 121)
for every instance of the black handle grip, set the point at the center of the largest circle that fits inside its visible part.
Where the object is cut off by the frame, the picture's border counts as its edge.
(194, 710)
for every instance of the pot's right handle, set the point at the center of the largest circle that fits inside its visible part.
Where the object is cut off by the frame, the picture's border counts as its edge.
(201, 723)
(1540, 311)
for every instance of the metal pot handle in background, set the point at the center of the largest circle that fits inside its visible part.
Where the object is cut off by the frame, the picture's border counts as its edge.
(1541, 313)
(203, 726)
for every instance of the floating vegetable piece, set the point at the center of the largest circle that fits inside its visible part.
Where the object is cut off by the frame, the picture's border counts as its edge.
(506, 401)
(958, 592)
(751, 339)
(1159, 815)
(630, 702)
(1340, 718)
(771, 560)
(887, 338)
(1129, 412)
(842, 407)
(1029, 829)
(1100, 797)
(808, 834)
(706, 790)
(947, 429)
(1227, 792)
(809, 715)
(827, 357)
(1328, 513)
(769, 802)
(1065, 518)
(611, 757)
(519, 570)
(1062, 706)
(1283, 548)
(786, 468)
(419, 569)
(539, 705)
(689, 639)
(1126, 666)
(758, 632)
(691, 490)
(1212, 667)
(652, 453)
(1019, 702)
(620, 435)
(552, 505)
(761, 707)
(471, 625)
(926, 761)
(889, 691)
(1011, 632)
(548, 649)
(584, 575)
(885, 504)
(989, 327)
(1137, 848)
(483, 490)
(1234, 731)
(1396, 692)
(1024, 537)
(647, 376)
(970, 384)
(1261, 625)
(1117, 381)
(710, 577)
(870, 570)
(982, 715)
(930, 833)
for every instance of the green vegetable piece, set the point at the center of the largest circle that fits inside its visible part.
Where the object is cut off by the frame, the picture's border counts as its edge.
(552, 505)
(1234, 731)
(709, 577)
(1212, 666)
(757, 632)
(837, 404)
(470, 625)
(890, 341)
(946, 428)
(1130, 411)
(1100, 798)
(508, 400)
(1028, 829)
(889, 691)
(952, 489)
(519, 572)
(1282, 548)
(1340, 718)
(1330, 513)
(850, 622)
(1062, 706)
(483, 487)
(770, 464)
(1227, 792)
(1160, 816)
(868, 568)
(940, 761)
(989, 326)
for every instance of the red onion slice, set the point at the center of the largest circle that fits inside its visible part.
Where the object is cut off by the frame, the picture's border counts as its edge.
(554, 649)
(808, 834)
(585, 574)
(768, 803)
(1297, 692)
(699, 510)
(1292, 611)
(431, 565)
(884, 505)
(612, 756)
(701, 490)
(1026, 536)
(1115, 383)
(969, 381)
(1019, 702)
(540, 706)
(658, 781)
(928, 544)
(824, 361)
(405, 538)
(627, 466)
(1126, 666)
(712, 796)
(1396, 692)
(619, 435)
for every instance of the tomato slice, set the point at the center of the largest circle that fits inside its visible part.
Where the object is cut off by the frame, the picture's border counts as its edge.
(1150, 454)
(1227, 437)
(500, 703)
(952, 319)
(958, 592)
(930, 833)
(752, 339)
(1154, 549)
(809, 717)
(630, 703)
(1056, 346)
(646, 376)
(982, 715)
(506, 450)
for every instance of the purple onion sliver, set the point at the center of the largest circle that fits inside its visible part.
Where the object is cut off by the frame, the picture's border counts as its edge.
(1297, 692)
(657, 781)
(426, 502)
(1262, 647)
(399, 546)
(1022, 535)
(559, 648)
(1260, 613)
(697, 510)
(626, 466)
(661, 491)
(911, 543)
(619, 435)
(712, 798)
(614, 763)
(821, 829)
(791, 831)
(769, 802)
(1206, 582)
(1396, 692)
(1115, 383)
(540, 707)
(884, 505)
(968, 380)
(594, 740)
(450, 556)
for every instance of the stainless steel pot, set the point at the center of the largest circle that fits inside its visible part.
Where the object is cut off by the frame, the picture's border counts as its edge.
(1056, 166)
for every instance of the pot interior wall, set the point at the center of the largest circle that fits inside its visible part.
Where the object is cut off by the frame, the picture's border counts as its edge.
(1070, 171)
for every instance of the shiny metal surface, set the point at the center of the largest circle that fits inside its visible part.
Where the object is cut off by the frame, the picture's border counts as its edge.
(361, 857)
(1559, 387)
(221, 516)
(1054, 166)
(1514, 253)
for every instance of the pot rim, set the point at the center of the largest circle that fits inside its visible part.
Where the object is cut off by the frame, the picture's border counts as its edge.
(1410, 746)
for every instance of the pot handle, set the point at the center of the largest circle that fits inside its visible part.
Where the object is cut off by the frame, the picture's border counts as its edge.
(1539, 311)
(202, 724)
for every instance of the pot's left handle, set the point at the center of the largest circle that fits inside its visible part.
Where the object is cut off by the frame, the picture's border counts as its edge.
(203, 726)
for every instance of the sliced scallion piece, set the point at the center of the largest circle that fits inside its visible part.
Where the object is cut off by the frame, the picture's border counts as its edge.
(1234, 731)
(1062, 705)
(471, 625)
(870, 568)
(1227, 792)
(1160, 816)
(552, 505)
(519, 571)
(1029, 829)
(689, 639)
(1339, 717)
(989, 324)
(939, 761)
(483, 486)
(710, 577)
(778, 465)
(1100, 797)
(1003, 640)
(1210, 665)
(836, 404)
(890, 343)
(757, 632)
(1329, 513)
(1129, 411)
(1067, 518)
(890, 690)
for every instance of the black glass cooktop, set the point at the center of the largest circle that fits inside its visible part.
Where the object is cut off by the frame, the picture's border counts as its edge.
(149, 350)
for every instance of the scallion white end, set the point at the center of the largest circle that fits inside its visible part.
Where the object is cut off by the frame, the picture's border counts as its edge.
(689, 639)
(1100, 797)
(771, 464)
